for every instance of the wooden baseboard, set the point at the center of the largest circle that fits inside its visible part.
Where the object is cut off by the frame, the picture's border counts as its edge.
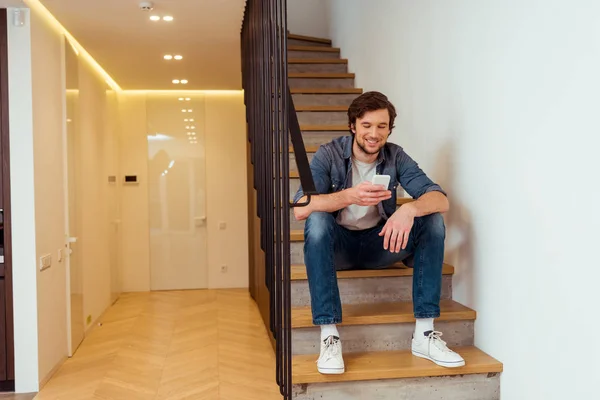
(50, 374)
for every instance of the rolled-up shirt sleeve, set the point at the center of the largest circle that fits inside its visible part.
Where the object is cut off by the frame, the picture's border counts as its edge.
(320, 167)
(413, 179)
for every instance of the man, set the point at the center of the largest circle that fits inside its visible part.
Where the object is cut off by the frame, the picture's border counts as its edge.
(354, 224)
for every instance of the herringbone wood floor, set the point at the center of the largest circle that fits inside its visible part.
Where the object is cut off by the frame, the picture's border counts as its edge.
(178, 345)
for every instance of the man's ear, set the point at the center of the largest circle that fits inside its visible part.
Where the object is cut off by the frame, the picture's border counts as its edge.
(353, 128)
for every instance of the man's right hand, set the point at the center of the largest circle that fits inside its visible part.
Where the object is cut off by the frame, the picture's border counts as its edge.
(367, 194)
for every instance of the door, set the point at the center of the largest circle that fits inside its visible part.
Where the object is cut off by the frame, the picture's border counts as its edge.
(177, 191)
(73, 257)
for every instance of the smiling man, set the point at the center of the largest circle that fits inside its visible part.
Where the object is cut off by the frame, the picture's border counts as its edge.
(354, 224)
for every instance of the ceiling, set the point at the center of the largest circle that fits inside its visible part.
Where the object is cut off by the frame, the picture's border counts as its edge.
(130, 47)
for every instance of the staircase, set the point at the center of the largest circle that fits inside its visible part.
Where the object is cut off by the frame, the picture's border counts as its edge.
(377, 309)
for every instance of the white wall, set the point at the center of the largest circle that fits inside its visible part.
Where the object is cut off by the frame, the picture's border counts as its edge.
(308, 17)
(37, 120)
(23, 209)
(497, 100)
(224, 123)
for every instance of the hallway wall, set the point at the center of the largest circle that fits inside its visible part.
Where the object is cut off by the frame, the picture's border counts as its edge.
(226, 188)
(42, 38)
(497, 101)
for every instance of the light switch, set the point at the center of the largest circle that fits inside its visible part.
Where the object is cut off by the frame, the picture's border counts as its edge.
(45, 261)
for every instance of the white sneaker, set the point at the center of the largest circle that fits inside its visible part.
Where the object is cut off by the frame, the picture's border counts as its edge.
(330, 360)
(434, 349)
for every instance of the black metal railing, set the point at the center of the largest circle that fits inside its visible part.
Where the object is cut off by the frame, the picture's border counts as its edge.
(270, 115)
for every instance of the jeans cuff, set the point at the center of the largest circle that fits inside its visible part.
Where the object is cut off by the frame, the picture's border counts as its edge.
(327, 321)
(427, 315)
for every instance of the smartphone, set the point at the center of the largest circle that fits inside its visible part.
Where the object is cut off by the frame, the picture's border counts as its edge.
(381, 180)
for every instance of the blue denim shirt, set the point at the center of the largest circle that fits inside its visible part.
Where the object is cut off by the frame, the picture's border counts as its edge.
(331, 169)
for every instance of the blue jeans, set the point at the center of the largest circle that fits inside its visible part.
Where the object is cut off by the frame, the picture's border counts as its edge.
(329, 247)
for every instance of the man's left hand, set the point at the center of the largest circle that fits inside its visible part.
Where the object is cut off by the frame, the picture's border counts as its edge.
(397, 229)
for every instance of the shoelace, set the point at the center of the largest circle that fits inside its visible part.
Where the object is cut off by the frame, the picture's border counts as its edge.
(435, 338)
(331, 348)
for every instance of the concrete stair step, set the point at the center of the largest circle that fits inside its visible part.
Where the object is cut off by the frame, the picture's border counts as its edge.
(322, 117)
(382, 327)
(338, 65)
(320, 80)
(397, 375)
(295, 51)
(302, 40)
(368, 286)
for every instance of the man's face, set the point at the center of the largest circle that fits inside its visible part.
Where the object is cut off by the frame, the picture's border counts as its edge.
(372, 130)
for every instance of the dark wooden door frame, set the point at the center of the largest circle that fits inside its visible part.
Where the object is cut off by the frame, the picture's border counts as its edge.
(7, 369)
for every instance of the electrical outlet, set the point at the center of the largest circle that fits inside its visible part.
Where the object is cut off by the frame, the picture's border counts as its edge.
(45, 261)
(89, 319)
(222, 225)
(224, 269)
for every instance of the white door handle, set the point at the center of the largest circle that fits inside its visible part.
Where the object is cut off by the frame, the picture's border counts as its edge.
(200, 220)
(71, 239)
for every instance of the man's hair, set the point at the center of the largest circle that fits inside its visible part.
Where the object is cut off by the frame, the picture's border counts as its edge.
(370, 101)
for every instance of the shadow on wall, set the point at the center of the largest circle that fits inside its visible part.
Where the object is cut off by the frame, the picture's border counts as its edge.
(460, 241)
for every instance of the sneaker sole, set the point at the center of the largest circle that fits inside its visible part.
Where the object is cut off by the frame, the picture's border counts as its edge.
(440, 363)
(331, 371)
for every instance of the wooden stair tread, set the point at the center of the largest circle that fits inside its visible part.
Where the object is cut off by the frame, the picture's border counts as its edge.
(307, 128)
(309, 148)
(322, 108)
(384, 313)
(326, 90)
(317, 61)
(298, 272)
(314, 48)
(321, 75)
(309, 38)
(392, 365)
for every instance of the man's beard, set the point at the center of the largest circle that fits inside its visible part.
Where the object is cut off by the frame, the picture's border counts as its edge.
(362, 147)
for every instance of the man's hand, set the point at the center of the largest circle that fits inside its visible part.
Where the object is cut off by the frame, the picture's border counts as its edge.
(397, 229)
(367, 194)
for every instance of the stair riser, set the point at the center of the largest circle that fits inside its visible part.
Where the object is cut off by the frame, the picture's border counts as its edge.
(322, 117)
(321, 83)
(460, 387)
(323, 99)
(294, 167)
(369, 290)
(299, 42)
(336, 68)
(380, 337)
(312, 54)
(317, 138)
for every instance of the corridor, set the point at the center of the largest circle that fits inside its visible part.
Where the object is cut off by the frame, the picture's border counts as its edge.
(172, 345)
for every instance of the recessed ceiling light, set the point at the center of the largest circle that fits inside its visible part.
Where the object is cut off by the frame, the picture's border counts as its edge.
(167, 18)
(154, 18)
(186, 120)
(187, 99)
(176, 81)
(184, 81)
(193, 127)
(193, 133)
(189, 134)
(168, 57)
(189, 110)
(187, 127)
(192, 120)
(178, 57)
(183, 110)
(171, 164)
(181, 99)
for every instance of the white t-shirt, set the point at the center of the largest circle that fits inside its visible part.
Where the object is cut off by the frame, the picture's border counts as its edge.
(356, 217)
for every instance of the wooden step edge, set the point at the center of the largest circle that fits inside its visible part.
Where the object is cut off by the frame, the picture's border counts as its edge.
(321, 75)
(298, 272)
(326, 90)
(309, 38)
(314, 48)
(399, 312)
(322, 108)
(308, 128)
(317, 61)
(392, 365)
(309, 148)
